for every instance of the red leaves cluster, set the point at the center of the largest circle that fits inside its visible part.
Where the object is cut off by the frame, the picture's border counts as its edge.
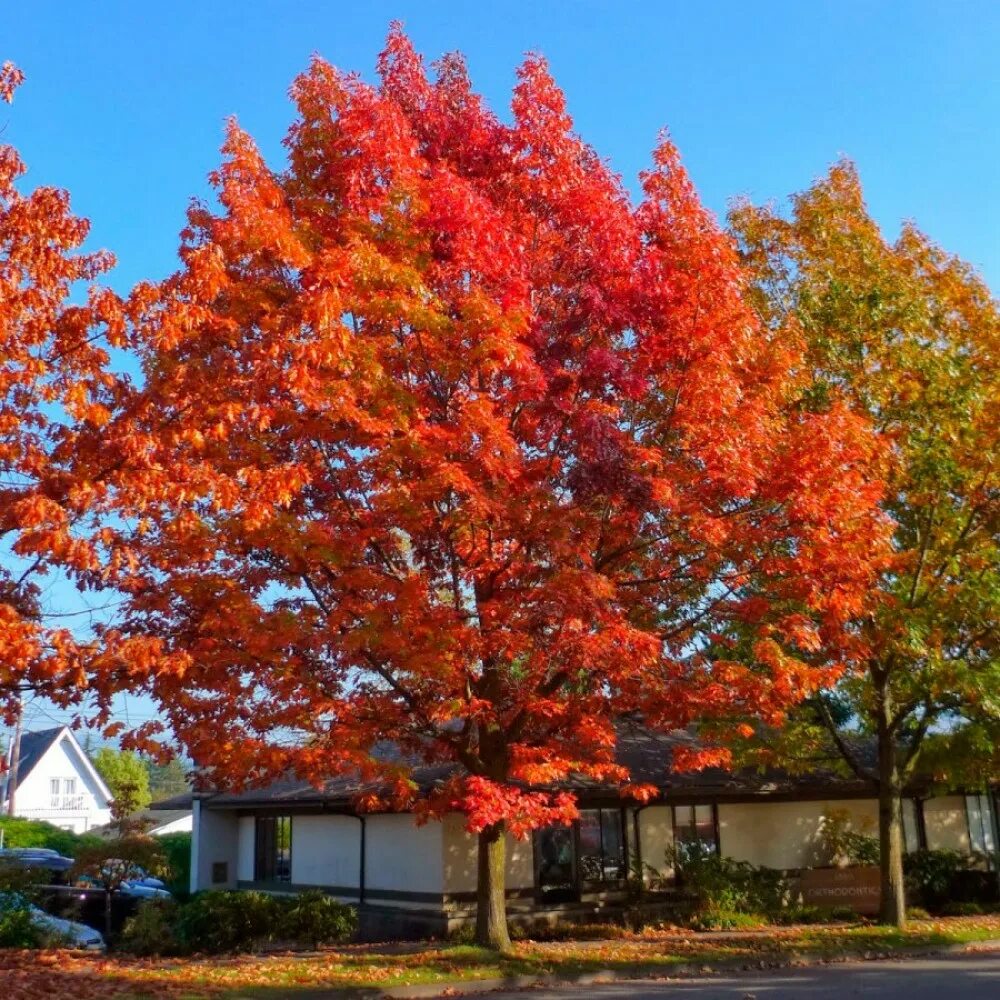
(56, 396)
(447, 443)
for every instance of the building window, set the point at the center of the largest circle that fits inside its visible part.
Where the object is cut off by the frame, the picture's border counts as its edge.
(696, 831)
(62, 794)
(911, 826)
(273, 849)
(979, 812)
(602, 845)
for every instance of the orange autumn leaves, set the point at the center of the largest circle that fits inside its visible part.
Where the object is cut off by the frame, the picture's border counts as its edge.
(56, 396)
(443, 441)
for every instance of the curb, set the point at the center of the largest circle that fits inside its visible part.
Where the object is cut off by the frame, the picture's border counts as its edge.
(659, 972)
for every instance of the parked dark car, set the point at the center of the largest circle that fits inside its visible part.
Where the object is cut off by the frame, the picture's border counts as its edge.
(85, 904)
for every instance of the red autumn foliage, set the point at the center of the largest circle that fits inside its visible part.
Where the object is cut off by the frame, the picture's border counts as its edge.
(450, 444)
(56, 395)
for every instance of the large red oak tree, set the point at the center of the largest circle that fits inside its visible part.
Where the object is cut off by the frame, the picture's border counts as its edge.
(461, 449)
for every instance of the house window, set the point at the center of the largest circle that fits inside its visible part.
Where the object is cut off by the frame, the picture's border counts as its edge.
(979, 812)
(62, 794)
(696, 831)
(602, 845)
(273, 849)
(911, 826)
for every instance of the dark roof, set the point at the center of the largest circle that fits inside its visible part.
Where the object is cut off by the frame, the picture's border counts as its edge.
(162, 817)
(182, 802)
(33, 747)
(647, 755)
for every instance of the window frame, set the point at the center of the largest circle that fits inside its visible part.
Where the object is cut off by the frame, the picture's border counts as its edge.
(590, 883)
(982, 836)
(580, 884)
(267, 861)
(692, 825)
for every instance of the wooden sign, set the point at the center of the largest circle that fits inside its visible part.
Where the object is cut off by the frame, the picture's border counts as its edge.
(858, 887)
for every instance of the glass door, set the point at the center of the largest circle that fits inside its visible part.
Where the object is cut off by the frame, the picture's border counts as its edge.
(555, 863)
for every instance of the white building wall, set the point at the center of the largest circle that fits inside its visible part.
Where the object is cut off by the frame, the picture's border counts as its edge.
(401, 856)
(215, 838)
(326, 851)
(460, 858)
(947, 824)
(79, 810)
(246, 834)
(787, 834)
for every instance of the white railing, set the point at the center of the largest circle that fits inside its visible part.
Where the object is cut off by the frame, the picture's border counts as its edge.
(60, 803)
(67, 803)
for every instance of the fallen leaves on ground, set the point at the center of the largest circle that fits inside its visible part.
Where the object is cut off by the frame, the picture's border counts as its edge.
(34, 975)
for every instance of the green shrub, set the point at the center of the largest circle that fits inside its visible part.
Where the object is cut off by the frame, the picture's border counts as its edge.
(17, 929)
(152, 930)
(931, 876)
(724, 885)
(799, 915)
(962, 909)
(917, 913)
(20, 832)
(221, 920)
(177, 849)
(717, 919)
(316, 918)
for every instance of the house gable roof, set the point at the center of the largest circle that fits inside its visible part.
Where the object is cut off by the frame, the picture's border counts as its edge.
(34, 746)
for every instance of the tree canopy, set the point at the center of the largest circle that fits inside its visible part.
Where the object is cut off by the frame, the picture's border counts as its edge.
(127, 777)
(448, 444)
(57, 393)
(909, 334)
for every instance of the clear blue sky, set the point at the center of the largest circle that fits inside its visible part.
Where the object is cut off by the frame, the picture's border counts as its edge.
(125, 100)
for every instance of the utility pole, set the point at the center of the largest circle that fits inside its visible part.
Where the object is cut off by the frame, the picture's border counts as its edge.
(15, 757)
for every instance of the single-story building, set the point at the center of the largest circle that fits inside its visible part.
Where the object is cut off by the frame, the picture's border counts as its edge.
(409, 878)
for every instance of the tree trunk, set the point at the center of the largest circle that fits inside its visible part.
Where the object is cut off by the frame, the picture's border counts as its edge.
(491, 891)
(890, 821)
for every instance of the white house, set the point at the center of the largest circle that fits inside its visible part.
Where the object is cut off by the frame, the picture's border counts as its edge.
(57, 782)
(410, 878)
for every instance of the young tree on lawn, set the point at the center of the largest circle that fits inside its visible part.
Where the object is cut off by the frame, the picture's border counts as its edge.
(56, 394)
(910, 335)
(130, 853)
(127, 777)
(468, 453)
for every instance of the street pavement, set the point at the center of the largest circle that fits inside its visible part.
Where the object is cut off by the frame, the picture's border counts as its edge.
(954, 977)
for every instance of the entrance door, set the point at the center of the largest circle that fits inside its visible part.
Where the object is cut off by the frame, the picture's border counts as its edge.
(555, 863)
